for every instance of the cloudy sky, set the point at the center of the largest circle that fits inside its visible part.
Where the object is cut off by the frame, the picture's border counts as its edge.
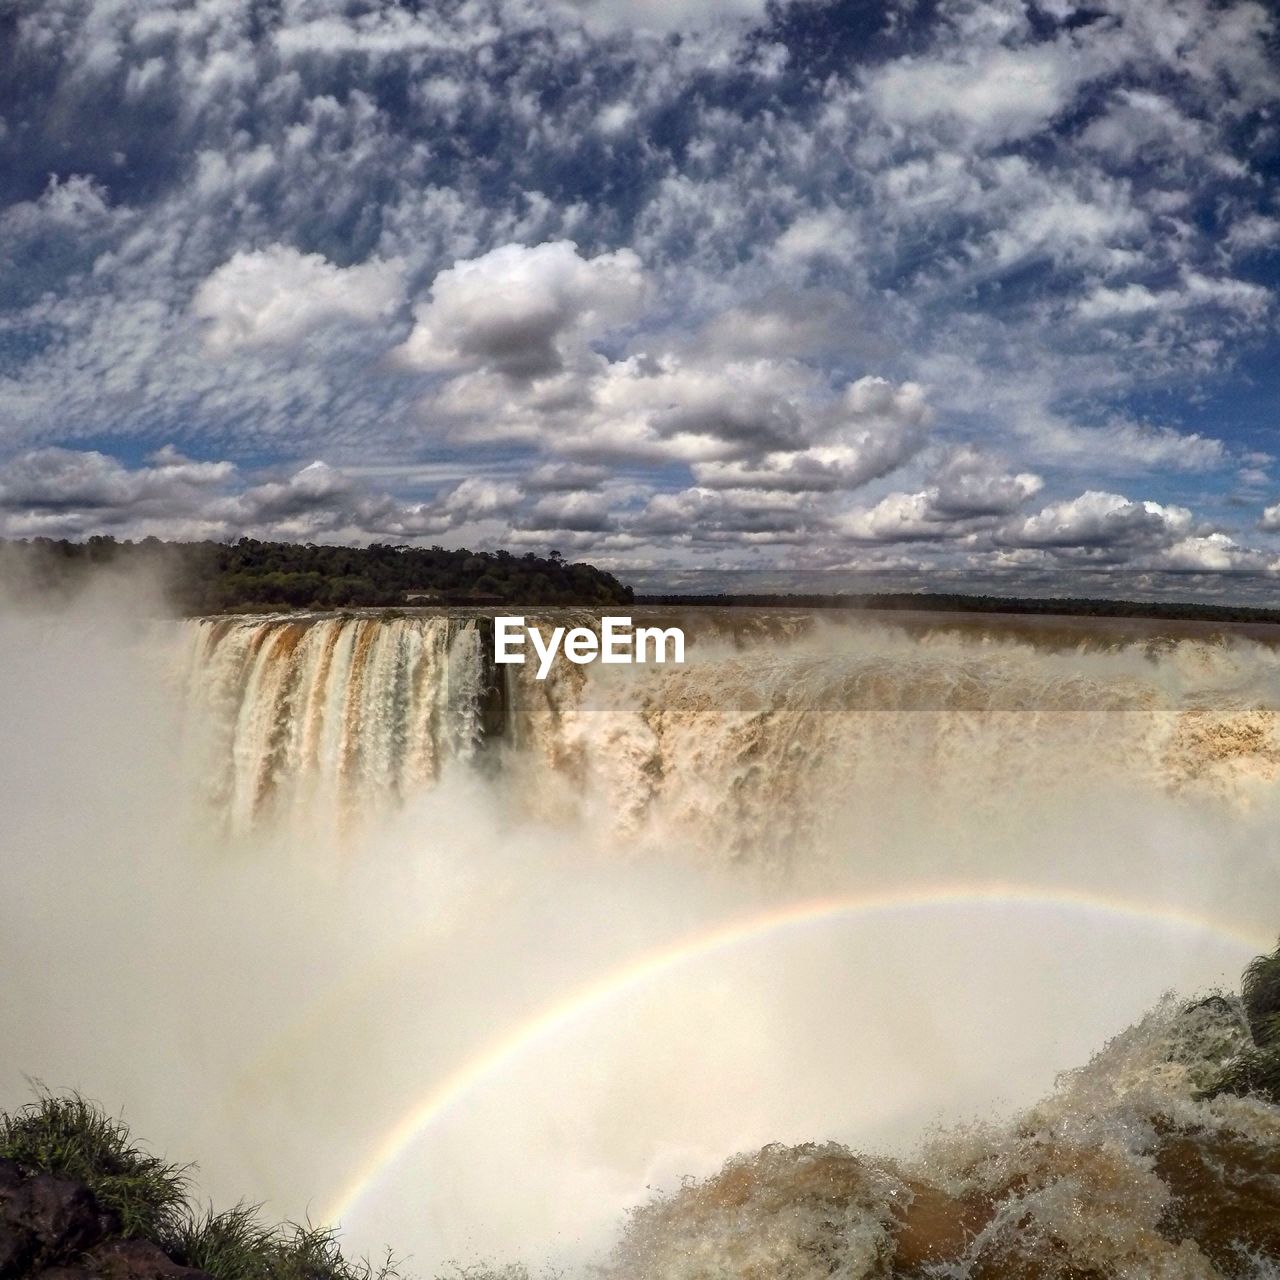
(653, 282)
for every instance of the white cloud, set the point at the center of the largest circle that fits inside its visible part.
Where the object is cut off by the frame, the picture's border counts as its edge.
(997, 95)
(59, 492)
(814, 236)
(1144, 125)
(1252, 232)
(969, 491)
(616, 118)
(61, 479)
(872, 431)
(476, 498)
(522, 311)
(1214, 552)
(558, 477)
(727, 515)
(585, 512)
(1103, 521)
(385, 31)
(278, 295)
(1194, 290)
(1039, 224)
(77, 203)
(970, 484)
(661, 16)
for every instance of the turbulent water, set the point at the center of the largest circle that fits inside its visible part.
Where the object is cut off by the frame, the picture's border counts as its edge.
(349, 713)
(774, 723)
(493, 968)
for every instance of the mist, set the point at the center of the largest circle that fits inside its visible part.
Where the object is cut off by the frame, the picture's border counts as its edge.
(271, 1000)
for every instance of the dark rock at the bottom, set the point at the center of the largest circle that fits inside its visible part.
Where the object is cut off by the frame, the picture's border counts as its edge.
(125, 1260)
(45, 1221)
(54, 1229)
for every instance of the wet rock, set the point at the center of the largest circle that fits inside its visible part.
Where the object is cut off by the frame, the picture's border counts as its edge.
(125, 1260)
(934, 1227)
(44, 1221)
(1224, 1195)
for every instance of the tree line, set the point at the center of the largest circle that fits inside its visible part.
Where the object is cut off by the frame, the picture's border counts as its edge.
(957, 602)
(216, 577)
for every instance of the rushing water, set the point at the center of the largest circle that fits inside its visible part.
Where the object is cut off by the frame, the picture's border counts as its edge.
(774, 721)
(475, 963)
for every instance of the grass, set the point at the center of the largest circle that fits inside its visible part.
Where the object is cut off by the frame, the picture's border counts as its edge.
(236, 1245)
(1257, 1070)
(73, 1138)
(1260, 991)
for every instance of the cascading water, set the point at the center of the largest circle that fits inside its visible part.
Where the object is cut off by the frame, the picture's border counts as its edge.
(743, 750)
(351, 712)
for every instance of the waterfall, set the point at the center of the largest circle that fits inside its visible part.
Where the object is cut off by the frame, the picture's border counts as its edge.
(745, 747)
(346, 712)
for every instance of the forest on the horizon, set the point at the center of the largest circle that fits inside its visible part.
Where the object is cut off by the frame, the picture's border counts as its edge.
(959, 602)
(216, 577)
(251, 575)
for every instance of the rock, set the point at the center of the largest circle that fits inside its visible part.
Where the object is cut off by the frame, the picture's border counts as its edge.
(125, 1260)
(54, 1229)
(934, 1227)
(43, 1221)
(1224, 1195)
(14, 1243)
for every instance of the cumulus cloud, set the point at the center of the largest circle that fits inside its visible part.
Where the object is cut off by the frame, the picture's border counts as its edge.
(970, 484)
(279, 295)
(475, 498)
(581, 512)
(557, 477)
(969, 492)
(1210, 553)
(58, 492)
(727, 515)
(319, 500)
(872, 430)
(43, 484)
(521, 311)
(514, 332)
(1106, 522)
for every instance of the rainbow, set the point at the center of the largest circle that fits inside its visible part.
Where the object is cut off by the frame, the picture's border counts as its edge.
(592, 997)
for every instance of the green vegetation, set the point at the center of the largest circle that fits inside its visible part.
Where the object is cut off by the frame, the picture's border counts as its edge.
(213, 577)
(956, 602)
(1260, 992)
(1257, 1070)
(72, 1138)
(235, 1245)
